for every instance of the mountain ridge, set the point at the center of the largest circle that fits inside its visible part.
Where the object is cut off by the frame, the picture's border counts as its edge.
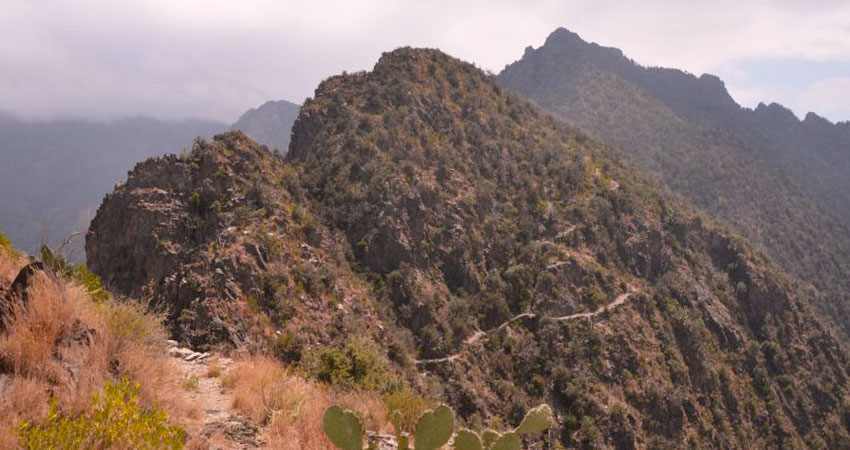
(776, 179)
(424, 203)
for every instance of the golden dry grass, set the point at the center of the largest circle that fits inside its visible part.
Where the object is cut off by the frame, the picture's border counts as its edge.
(10, 264)
(64, 347)
(292, 407)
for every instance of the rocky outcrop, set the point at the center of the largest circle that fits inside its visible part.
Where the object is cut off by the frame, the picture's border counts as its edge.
(214, 239)
(15, 294)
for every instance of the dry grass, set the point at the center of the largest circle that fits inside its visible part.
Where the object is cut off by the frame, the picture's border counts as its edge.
(214, 368)
(65, 347)
(22, 399)
(291, 406)
(10, 264)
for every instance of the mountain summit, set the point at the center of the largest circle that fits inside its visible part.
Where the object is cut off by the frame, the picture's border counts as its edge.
(778, 180)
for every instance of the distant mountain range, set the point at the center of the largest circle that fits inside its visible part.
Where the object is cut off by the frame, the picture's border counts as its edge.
(269, 124)
(781, 182)
(55, 173)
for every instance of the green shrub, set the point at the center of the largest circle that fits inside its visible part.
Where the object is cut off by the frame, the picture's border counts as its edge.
(6, 245)
(128, 323)
(287, 347)
(91, 282)
(358, 364)
(405, 406)
(115, 419)
(79, 273)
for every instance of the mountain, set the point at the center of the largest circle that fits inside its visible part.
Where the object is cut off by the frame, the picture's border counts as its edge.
(54, 173)
(494, 257)
(779, 181)
(269, 124)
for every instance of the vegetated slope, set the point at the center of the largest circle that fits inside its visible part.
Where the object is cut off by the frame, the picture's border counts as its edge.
(215, 238)
(269, 124)
(779, 181)
(464, 224)
(55, 173)
(80, 369)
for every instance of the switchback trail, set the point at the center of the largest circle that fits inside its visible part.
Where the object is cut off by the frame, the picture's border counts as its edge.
(478, 335)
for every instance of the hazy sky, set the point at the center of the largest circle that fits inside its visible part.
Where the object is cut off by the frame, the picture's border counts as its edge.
(214, 59)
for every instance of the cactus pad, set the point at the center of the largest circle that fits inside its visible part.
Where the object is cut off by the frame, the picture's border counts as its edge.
(434, 429)
(343, 428)
(537, 420)
(507, 441)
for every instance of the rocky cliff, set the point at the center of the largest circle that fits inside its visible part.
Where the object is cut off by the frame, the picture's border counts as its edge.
(217, 240)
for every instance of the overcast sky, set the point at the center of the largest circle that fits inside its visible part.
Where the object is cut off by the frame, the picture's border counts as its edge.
(216, 58)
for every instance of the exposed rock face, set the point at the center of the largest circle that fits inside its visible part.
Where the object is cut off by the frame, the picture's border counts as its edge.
(778, 180)
(269, 124)
(213, 235)
(493, 240)
(15, 294)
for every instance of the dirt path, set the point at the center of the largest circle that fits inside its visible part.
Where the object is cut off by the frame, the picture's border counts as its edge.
(621, 299)
(219, 424)
(478, 335)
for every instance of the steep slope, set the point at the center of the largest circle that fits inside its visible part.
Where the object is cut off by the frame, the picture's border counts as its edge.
(55, 173)
(506, 258)
(269, 124)
(479, 209)
(691, 134)
(218, 241)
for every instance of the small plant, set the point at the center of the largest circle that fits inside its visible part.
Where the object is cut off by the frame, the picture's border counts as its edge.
(79, 273)
(6, 245)
(214, 369)
(91, 282)
(404, 408)
(115, 419)
(359, 364)
(434, 429)
(191, 383)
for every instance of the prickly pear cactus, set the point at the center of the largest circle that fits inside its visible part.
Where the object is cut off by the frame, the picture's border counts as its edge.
(467, 440)
(537, 420)
(434, 429)
(488, 437)
(507, 441)
(343, 428)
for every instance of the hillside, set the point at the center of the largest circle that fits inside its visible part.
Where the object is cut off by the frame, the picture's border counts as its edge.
(269, 124)
(777, 180)
(495, 258)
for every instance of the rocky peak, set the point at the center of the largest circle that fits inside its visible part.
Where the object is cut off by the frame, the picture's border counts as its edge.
(704, 96)
(269, 124)
(776, 114)
(564, 37)
(214, 238)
